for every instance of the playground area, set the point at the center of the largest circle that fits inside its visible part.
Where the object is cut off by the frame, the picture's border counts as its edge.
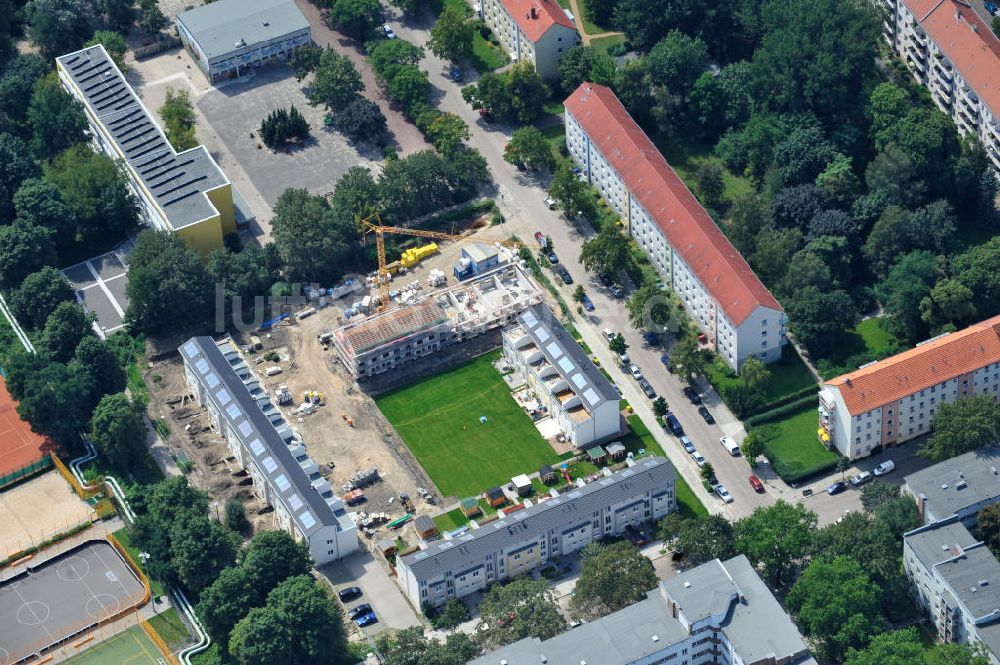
(130, 647)
(58, 600)
(35, 510)
(21, 450)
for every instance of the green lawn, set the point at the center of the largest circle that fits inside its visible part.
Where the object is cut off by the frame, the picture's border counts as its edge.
(604, 43)
(868, 341)
(686, 158)
(123, 537)
(131, 647)
(556, 136)
(486, 56)
(875, 336)
(793, 448)
(788, 376)
(170, 628)
(439, 420)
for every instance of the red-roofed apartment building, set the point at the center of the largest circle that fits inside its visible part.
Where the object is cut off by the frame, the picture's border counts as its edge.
(954, 53)
(536, 31)
(727, 301)
(890, 401)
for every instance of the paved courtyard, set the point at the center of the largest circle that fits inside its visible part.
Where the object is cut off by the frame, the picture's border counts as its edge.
(100, 286)
(236, 110)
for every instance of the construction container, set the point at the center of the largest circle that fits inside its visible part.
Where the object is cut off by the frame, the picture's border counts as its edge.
(255, 342)
(283, 395)
(325, 337)
(437, 278)
(272, 370)
(308, 311)
(415, 255)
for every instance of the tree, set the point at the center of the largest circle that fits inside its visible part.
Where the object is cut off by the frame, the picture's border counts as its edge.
(235, 516)
(570, 194)
(988, 526)
(754, 445)
(820, 319)
(578, 293)
(524, 607)
(528, 146)
(687, 359)
(710, 182)
(200, 549)
(451, 36)
(409, 87)
(336, 81)
(113, 43)
(451, 615)
(97, 360)
(168, 287)
(897, 647)
(283, 126)
(411, 647)
(119, 14)
(40, 203)
(776, 539)
(59, 26)
(618, 344)
(606, 253)
(773, 251)
(56, 119)
(676, 62)
(387, 56)
(575, 66)
(754, 374)
(355, 194)
(151, 20)
(803, 155)
(698, 539)
(959, 654)
(967, 424)
(651, 307)
(633, 88)
(748, 215)
(707, 471)
(445, 130)
(225, 601)
(118, 430)
(898, 231)
(56, 400)
(949, 302)
(909, 281)
(835, 603)
(611, 577)
(838, 181)
(660, 407)
(299, 624)
(995, 25)
(16, 166)
(64, 328)
(17, 84)
(599, 12)
(897, 516)
(273, 557)
(313, 242)
(876, 493)
(835, 253)
(178, 116)
(360, 118)
(797, 206)
(356, 18)
(24, 249)
(39, 294)
(304, 60)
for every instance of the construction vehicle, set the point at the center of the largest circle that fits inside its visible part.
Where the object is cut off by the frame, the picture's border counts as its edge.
(404, 498)
(354, 497)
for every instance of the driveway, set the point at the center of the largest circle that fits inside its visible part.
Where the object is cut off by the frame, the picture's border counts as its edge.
(380, 591)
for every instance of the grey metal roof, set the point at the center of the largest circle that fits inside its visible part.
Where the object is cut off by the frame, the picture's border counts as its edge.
(249, 412)
(566, 356)
(757, 627)
(423, 523)
(177, 181)
(939, 541)
(704, 591)
(957, 484)
(220, 26)
(974, 579)
(572, 508)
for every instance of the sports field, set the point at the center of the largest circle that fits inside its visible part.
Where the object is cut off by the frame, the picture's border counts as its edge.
(439, 420)
(132, 647)
(19, 446)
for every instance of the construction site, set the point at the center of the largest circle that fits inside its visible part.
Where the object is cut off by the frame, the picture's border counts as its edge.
(458, 296)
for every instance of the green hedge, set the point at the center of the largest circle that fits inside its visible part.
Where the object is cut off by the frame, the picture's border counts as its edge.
(783, 410)
(792, 477)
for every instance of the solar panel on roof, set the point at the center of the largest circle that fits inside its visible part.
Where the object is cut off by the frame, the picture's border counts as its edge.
(294, 502)
(281, 482)
(246, 429)
(554, 350)
(234, 411)
(566, 364)
(307, 519)
(212, 380)
(202, 366)
(257, 447)
(529, 318)
(578, 380)
(223, 397)
(269, 464)
(190, 349)
(542, 334)
(591, 396)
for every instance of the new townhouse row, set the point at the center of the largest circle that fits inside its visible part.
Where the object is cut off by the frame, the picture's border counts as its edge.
(731, 306)
(952, 51)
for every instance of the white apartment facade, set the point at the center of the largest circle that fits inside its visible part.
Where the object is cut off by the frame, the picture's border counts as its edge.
(894, 400)
(554, 525)
(953, 52)
(728, 302)
(547, 359)
(535, 31)
(264, 444)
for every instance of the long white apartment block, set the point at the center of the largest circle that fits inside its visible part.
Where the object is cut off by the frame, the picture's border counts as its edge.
(728, 302)
(264, 444)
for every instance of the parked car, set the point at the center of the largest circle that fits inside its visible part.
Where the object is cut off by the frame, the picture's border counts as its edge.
(665, 359)
(624, 360)
(605, 279)
(861, 478)
(723, 493)
(686, 442)
(587, 303)
(646, 388)
(366, 619)
(991, 8)
(551, 256)
(673, 424)
(617, 291)
(349, 594)
(609, 334)
(456, 74)
(634, 370)
(485, 116)
(363, 608)
(388, 32)
(540, 239)
(550, 202)
(884, 468)
(706, 414)
(699, 458)
(563, 274)
(836, 488)
(729, 443)
(756, 484)
(692, 395)
(651, 338)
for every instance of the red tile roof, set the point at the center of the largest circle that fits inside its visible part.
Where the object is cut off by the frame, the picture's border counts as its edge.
(967, 41)
(535, 17)
(686, 225)
(924, 366)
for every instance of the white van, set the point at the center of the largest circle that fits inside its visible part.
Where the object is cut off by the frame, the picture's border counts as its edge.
(730, 444)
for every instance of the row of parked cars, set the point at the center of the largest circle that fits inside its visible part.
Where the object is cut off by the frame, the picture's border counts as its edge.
(860, 479)
(362, 614)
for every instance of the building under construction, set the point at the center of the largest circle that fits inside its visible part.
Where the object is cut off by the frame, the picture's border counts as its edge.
(393, 339)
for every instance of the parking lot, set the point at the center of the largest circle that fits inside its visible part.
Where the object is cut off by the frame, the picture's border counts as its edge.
(361, 569)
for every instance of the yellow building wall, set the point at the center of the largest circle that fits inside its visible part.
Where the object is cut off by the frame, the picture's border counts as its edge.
(204, 236)
(222, 199)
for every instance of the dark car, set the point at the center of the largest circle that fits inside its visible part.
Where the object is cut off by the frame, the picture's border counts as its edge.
(665, 359)
(366, 619)
(563, 274)
(673, 424)
(836, 488)
(648, 389)
(756, 484)
(706, 414)
(349, 594)
(355, 612)
(456, 74)
(553, 259)
(692, 395)
(991, 8)
(651, 338)
(587, 303)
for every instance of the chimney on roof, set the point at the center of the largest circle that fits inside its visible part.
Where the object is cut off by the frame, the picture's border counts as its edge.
(534, 12)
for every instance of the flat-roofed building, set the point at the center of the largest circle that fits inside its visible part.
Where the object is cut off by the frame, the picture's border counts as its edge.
(535, 31)
(958, 487)
(185, 193)
(888, 402)
(551, 526)
(727, 301)
(717, 613)
(231, 38)
(563, 379)
(263, 443)
(953, 52)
